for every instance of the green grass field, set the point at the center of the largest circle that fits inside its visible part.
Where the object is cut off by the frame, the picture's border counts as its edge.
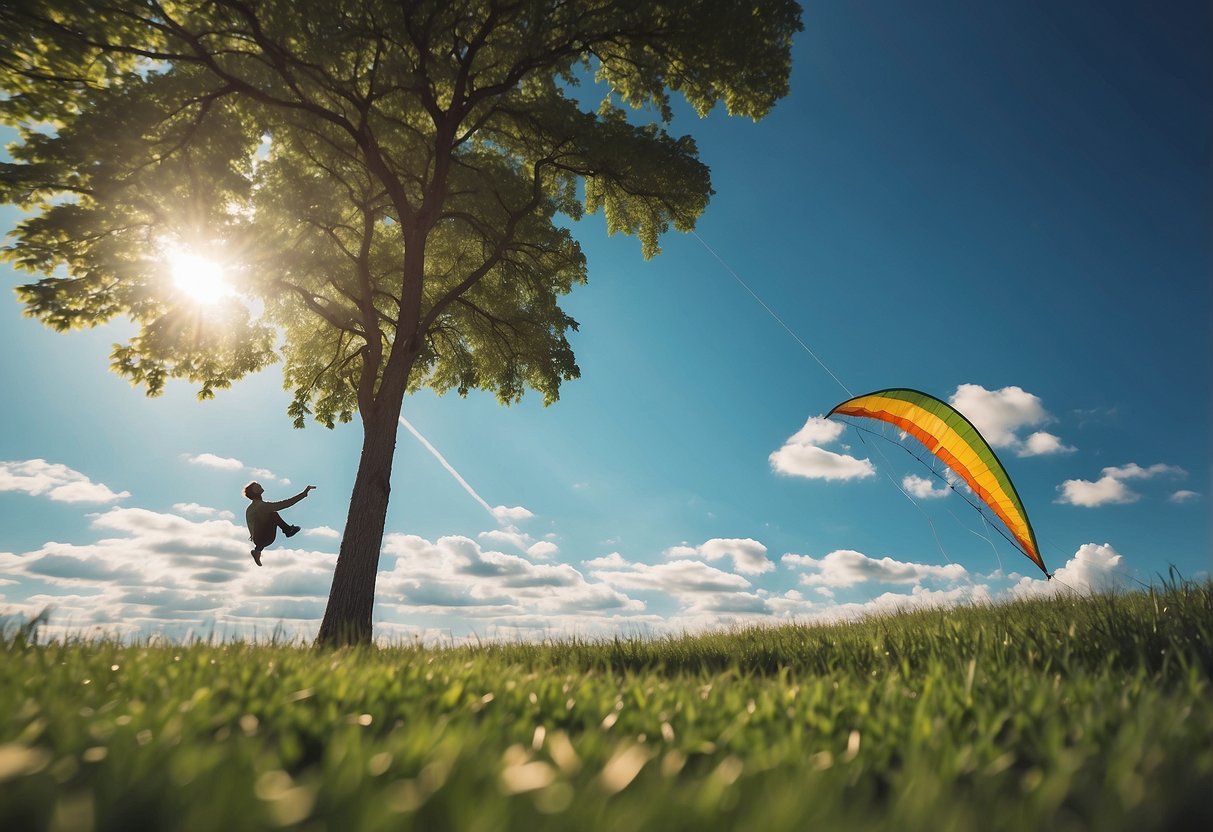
(1092, 713)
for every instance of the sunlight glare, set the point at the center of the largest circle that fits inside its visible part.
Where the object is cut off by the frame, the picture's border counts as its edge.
(198, 277)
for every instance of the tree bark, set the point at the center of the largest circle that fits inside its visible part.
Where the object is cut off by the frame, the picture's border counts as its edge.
(347, 618)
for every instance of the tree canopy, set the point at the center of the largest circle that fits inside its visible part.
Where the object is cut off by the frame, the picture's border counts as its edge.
(317, 147)
(387, 185)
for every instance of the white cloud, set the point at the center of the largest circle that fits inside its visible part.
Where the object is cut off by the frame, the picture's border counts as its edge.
(85, 492)
(542, 550)
(1110, 488)
(198, 510)
(846, 567)
(155, 572)
(1103, 491)
(510, 536)
(1093, 568)
(1183, 496)
(189, 571)
(1001, 414)
(803, 456)
(455, 572)
(731, 603)
(227, 463)
(748, 555)
(511, 514)
(165, 573)
(37, 477)
(523, 542)
(612, 561)
(208, 460)
(1041, 443)
(266, 474)
(998, 414)
(678, 577)
(918, 598)
(818, 430)
(923, 488)
(1133, 471)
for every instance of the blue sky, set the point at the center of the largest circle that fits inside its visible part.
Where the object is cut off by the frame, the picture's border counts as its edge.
(1008, 207)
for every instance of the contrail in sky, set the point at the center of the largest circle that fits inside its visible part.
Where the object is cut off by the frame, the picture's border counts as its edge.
(442, 460)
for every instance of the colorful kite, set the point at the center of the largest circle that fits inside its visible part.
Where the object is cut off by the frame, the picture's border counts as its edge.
(947, 434)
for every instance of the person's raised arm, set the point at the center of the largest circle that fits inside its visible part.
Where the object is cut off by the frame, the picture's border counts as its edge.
(290, 501)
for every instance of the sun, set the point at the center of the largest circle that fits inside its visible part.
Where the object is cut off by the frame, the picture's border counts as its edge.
(201, 279)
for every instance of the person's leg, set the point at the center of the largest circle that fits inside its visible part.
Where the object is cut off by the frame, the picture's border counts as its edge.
(261, 542)
(287, 528)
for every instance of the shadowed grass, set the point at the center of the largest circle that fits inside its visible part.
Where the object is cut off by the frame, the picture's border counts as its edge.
(1070, 713)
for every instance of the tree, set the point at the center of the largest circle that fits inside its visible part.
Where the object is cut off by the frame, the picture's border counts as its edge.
(384, 180)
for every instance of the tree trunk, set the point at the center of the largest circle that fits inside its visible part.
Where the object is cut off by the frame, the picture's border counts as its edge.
(347, 619)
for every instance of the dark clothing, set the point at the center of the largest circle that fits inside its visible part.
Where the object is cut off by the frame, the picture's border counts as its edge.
(263, 519)
(269, 535)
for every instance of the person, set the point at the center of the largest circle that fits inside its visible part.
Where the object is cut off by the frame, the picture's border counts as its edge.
(263, 518)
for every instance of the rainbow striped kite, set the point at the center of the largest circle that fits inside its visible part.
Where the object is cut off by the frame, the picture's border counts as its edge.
(947, 434)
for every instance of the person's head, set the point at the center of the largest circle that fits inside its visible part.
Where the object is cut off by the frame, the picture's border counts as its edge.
(253, 490)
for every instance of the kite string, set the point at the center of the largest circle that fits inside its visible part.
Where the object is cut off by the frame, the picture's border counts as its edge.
(774, 315)
(986, 537)
(984, 522)
(978, 509)
(771, 312)
(974, 505)
(1110, 570)
(905, 494)
(847, 390)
